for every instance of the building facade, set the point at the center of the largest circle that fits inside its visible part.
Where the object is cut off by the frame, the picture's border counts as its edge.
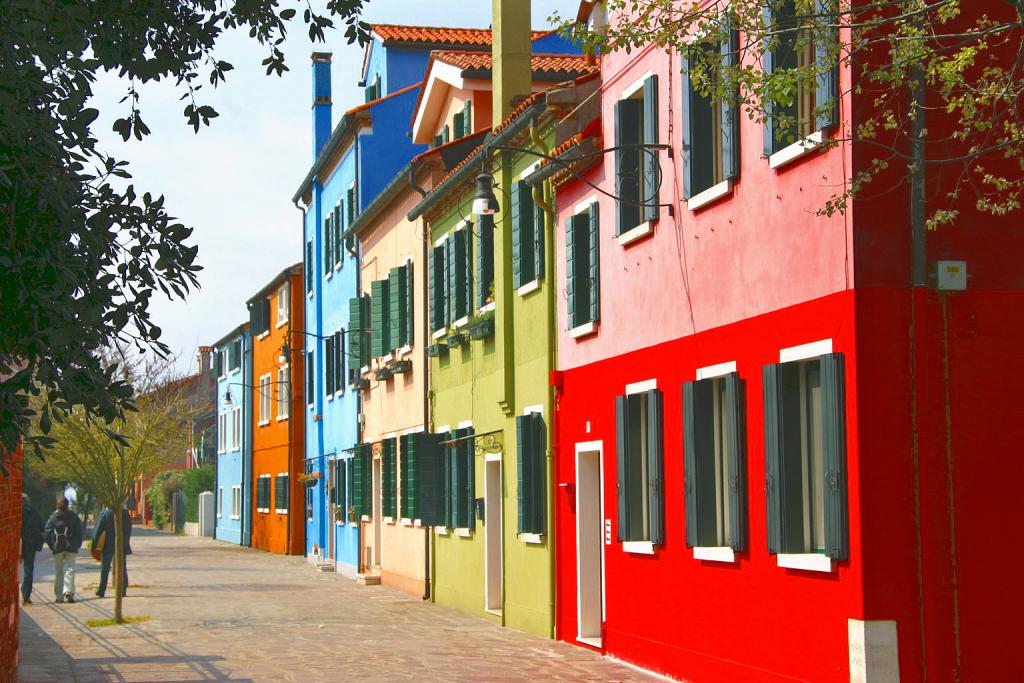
(232, 367)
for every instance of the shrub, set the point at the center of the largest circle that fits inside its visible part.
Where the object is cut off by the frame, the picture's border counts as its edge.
(194, 482)
(165, 485)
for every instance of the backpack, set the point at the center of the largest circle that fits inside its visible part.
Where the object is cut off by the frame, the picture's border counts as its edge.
(61, 541)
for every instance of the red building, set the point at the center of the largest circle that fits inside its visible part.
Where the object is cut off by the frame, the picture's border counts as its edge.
(774, 457)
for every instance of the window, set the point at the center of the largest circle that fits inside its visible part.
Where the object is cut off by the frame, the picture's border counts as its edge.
(389, 477)
(351, 214)
(531, 472)
(309, 492)
(337, 239)
(328, 243)
(236, 502)
(484, 260)
(329, 359)
(805, 456)
(263, 493)
(361, 475)
(222, 433)
(310, 377)
(439, 309)
(339, 361)
(220, 501)
(443, 136)
(527, 236)
(339, 494)
(637, 172)
(281, 493)
(264, 398)
(460, 279)
(640, 492)
(379, 319)
(309, 267)
(400, 306)
(235, 355)
(582, 232)
(459, 480)
(218, 364)
(808, 51)
(359, 340)
(373, 91)
(714, 467)
(284, 392)
(710, 128)
(282, 303)
(423, 478)
(259, 316)
(236, 428)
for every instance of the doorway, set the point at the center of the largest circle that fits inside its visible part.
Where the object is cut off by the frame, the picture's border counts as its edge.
(493, 534)
(589, 544)
(375, 564)
(329, 488)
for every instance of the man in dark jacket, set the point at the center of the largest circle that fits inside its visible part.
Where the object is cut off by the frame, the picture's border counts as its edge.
(63, 533)
(105, 528)
(31, 543)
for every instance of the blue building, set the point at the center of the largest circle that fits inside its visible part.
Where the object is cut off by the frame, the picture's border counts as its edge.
(232, 368)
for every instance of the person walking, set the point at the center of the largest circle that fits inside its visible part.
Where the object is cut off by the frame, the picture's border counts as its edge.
(105, 530)
(31, 543)
(63, 533)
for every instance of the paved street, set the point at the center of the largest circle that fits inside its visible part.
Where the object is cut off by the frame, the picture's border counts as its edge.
(223, 613)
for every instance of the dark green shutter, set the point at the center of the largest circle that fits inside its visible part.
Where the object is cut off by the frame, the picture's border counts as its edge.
(389, 480)
(736, 426)
(459, 128)
(651, 157)
(595, 262)
(450, 279)
(768, 65)
(379, 318)
(338, 251)
(447, 134)
(655, 474)
(622, 461)
(691, 492)
(218, 363)
(339, 362)
(309, 266)
(525, 230)
(310, 377)
(463, 292)
(627, 164)
(570, 270)
(431, 480)
(833, 413)
(730, 112)
(515, 211)
(359, 481)
(469, 463)
(453, 492)
(771, 376)
(825, 49)
(523, 474)
(410, 304)
(329, 366)
(467, 116)
(484, 259)
(396, 334)
(689, 139)
(699, 463)
(355, 329)
(351, 205)
(432, 288)
(328, 244)
(539, 468)
(410, 463)
(368, 492)
(538, 241)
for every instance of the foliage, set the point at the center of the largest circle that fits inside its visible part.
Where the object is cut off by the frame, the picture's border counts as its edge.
(194, 481)
(966, 56)
(163, 487)
(84, 250)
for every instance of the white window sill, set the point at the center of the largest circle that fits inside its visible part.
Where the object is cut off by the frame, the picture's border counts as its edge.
(263, 423)
(339, 392)
(404, 351)
(364, 370)
(330, 274)
(638, 547)
(280, 511)
(633, 234)
(330, 397)
(281, 323)
(439, 334)
(406, 521)
(282, 418)
(384, 360)
(487, 307)
(532, 538)
(712, 194)
(796, 150)
(389, 520)
(461, 322)
(583, 330)
(265, 510)
(236, 517)
(337, 266)
(812, 562)
(262, 335)
(352, 524)
(441, 531)
(309, 295)
(529, 288)
(714, 554)
(364, 518)
(464, 533)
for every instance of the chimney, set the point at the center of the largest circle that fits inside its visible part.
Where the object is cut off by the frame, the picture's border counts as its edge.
(510, 50)
(203, 356)
(321, 100)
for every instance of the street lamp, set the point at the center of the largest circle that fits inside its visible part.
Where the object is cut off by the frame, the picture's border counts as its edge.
(485, 203)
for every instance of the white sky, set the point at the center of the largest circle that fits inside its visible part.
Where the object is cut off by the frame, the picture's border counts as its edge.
(233, 181)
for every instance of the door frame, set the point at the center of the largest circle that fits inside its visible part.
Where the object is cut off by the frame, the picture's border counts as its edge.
(332, 466)
(493, 460)
(590, 449)
(377, 509)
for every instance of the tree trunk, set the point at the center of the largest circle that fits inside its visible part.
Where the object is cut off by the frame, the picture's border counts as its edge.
(118, 562)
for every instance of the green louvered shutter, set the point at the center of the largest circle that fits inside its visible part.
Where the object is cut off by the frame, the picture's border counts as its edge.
(329, 358)
(338, 241)
(430, 472)
(773, 453)
(527, 273)
(469, 480)
(309, 266)
(516, 211)
(523, 475)
(539, 468)
(450, 279)
(328, 243)
(368, 492)
(484, 259)
(461, 291)
(655, 472)
(355, 333)
(447, 134)
(351, 205)
(410, 304)
(459, 127)
(570, 270)
(433, 288)
(395, 310)
(410, 462)
(627, 164)
(467, 271)
(622, 464)
(768, 66)
(595, 262)
(218, 363)
(365, 302)
(825, 50)
(359, 482)
(686, 109)
(539, 221)
(736, 421)
(691, 492)
(379, 317)
(833, 413)
(651, 158)
(389, 480)
(730, 111)
(453, 493)
(467, 116)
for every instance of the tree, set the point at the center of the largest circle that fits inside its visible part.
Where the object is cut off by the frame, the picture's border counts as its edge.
(955, 61)
(105, 463)
(83, 250)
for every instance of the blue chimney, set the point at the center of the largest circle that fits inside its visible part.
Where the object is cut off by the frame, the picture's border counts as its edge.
(321, 100)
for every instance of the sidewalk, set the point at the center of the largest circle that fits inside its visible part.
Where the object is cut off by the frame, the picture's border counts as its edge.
(223, 613)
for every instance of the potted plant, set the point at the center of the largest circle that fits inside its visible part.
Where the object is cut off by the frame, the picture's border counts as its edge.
(438, 349)
(457, 339)
(481, 326)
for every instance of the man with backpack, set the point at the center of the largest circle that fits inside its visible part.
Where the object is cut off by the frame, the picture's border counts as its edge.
(63, 533)
(31, 543)
(104, 540)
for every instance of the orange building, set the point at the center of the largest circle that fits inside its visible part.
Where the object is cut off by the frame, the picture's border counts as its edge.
(276, 317)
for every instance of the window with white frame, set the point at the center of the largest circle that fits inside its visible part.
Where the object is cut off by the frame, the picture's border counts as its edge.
(639, 459)
(264, 397)
(637, 171)
(281, 493)
(263, 493)
(236, 502)
(222, 433)
(283, 388)
(282, 303)
(236, 428)
(527, 235)
(582, 273)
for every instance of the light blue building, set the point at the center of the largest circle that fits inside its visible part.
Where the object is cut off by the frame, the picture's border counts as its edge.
(232, 368)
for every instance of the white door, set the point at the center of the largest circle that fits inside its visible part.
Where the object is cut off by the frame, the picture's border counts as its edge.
(492, 532)
(589, 547)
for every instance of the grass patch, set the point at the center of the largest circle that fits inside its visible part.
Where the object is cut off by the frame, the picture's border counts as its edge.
(97, 623)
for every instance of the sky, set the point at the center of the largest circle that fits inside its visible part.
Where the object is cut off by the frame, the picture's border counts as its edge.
(233, 181)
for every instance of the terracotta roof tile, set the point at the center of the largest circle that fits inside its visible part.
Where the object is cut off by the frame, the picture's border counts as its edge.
(541, 63)
(367, 105)
(440, 35)
(592, 72)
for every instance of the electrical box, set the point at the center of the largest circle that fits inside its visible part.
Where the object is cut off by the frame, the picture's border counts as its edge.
(952, 275)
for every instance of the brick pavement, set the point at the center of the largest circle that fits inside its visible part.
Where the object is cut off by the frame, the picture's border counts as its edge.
(223, 613)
